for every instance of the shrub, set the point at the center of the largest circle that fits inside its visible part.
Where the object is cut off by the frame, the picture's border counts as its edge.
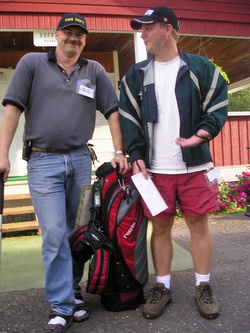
(234, 196)
(244, 182)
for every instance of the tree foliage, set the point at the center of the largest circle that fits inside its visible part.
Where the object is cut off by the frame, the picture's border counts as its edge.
(239, 101)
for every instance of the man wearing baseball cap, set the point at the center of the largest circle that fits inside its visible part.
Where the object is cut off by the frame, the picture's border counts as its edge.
(171, 105)
(72, 19)
(59, 93)
(157, 14)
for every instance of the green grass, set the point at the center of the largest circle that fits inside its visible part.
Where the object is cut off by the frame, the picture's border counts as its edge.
(22, 269)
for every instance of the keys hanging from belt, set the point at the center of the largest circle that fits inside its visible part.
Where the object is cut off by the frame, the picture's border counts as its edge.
(92, 153)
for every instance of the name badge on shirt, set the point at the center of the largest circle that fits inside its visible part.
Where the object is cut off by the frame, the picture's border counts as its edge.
(85, 88)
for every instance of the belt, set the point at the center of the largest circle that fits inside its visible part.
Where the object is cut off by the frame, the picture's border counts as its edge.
(51, 150)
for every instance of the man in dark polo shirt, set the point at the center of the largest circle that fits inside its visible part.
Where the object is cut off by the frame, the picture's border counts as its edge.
(59, 94)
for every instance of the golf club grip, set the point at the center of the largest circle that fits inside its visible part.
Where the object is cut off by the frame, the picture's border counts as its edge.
(1, 192)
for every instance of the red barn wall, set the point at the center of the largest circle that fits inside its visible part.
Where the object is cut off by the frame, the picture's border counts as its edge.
(229, 147)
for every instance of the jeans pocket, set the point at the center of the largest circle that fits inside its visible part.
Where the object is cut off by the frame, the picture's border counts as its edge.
(35, 155)
(85, 150)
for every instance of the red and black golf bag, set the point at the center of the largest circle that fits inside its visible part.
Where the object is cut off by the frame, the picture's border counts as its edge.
(118, 269)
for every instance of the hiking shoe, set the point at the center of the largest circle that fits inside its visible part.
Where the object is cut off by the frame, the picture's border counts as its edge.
(206, 302)
(160, 297)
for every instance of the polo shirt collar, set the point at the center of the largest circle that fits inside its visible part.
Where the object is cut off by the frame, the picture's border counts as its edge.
(52, 57)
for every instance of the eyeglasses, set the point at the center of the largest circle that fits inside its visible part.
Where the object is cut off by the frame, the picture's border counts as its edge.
(70, 34)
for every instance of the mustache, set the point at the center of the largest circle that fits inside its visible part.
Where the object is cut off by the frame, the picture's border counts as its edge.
(74, 42)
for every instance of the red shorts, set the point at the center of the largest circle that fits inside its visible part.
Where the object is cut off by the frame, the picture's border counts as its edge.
(194, 195)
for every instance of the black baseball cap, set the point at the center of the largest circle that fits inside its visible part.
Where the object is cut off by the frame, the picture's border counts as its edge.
(157, 14)
(72, 19)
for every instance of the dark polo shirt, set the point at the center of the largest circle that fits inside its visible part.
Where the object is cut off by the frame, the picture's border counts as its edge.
(57, 115)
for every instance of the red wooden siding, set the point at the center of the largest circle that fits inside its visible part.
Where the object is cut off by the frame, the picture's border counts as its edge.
(229, 147)
(218, 17)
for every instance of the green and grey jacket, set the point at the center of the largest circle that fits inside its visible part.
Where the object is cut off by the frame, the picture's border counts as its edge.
(201, 93)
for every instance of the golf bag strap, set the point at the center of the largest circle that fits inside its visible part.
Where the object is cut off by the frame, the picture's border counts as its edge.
(95, 195)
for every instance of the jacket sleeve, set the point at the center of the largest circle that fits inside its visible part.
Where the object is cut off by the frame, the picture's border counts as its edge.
(214, 100)
(130, 115)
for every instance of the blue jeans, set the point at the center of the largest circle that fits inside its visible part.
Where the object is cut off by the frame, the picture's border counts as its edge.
(55, 183)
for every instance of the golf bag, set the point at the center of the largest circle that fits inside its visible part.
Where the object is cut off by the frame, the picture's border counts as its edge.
(118, 270)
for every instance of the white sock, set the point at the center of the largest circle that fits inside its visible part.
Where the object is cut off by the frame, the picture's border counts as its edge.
(201, 278)
(79, 313)
(57, 320)
(78, 301)
(165, 279)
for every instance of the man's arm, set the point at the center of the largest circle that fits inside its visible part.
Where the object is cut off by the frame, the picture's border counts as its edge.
(7, 131)
(215, 106)
(115, 129)
(200, 137)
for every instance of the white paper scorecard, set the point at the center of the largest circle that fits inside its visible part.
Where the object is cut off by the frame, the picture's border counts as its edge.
(149, 194)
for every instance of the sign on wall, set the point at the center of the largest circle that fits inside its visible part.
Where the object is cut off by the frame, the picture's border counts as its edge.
(44, 38)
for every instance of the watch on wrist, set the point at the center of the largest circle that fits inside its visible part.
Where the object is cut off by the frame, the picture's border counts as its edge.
(205, 138)
(119, 152)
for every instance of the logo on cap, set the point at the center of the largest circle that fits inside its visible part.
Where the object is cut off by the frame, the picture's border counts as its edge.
(149, 12)
(74, 19)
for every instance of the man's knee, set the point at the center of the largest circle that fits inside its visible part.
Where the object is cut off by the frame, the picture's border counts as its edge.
(162, 225)
(198, 224)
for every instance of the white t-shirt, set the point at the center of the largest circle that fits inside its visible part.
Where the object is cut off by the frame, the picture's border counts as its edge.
(167, 156)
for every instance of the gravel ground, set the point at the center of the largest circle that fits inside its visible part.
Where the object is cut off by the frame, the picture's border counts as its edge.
(27, 311)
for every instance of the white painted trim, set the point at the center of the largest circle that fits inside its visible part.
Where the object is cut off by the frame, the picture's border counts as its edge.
(116, 70)
(216, 36)
(140, 50)
(238, 113)
(239, 85)
(229, 173)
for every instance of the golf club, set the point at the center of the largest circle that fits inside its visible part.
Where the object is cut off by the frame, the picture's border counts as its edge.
(1, 211)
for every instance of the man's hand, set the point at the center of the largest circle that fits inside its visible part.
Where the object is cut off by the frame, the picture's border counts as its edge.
(194, 140)
(124, 165)
(140, 166)
(190, 142)
(4, 167)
